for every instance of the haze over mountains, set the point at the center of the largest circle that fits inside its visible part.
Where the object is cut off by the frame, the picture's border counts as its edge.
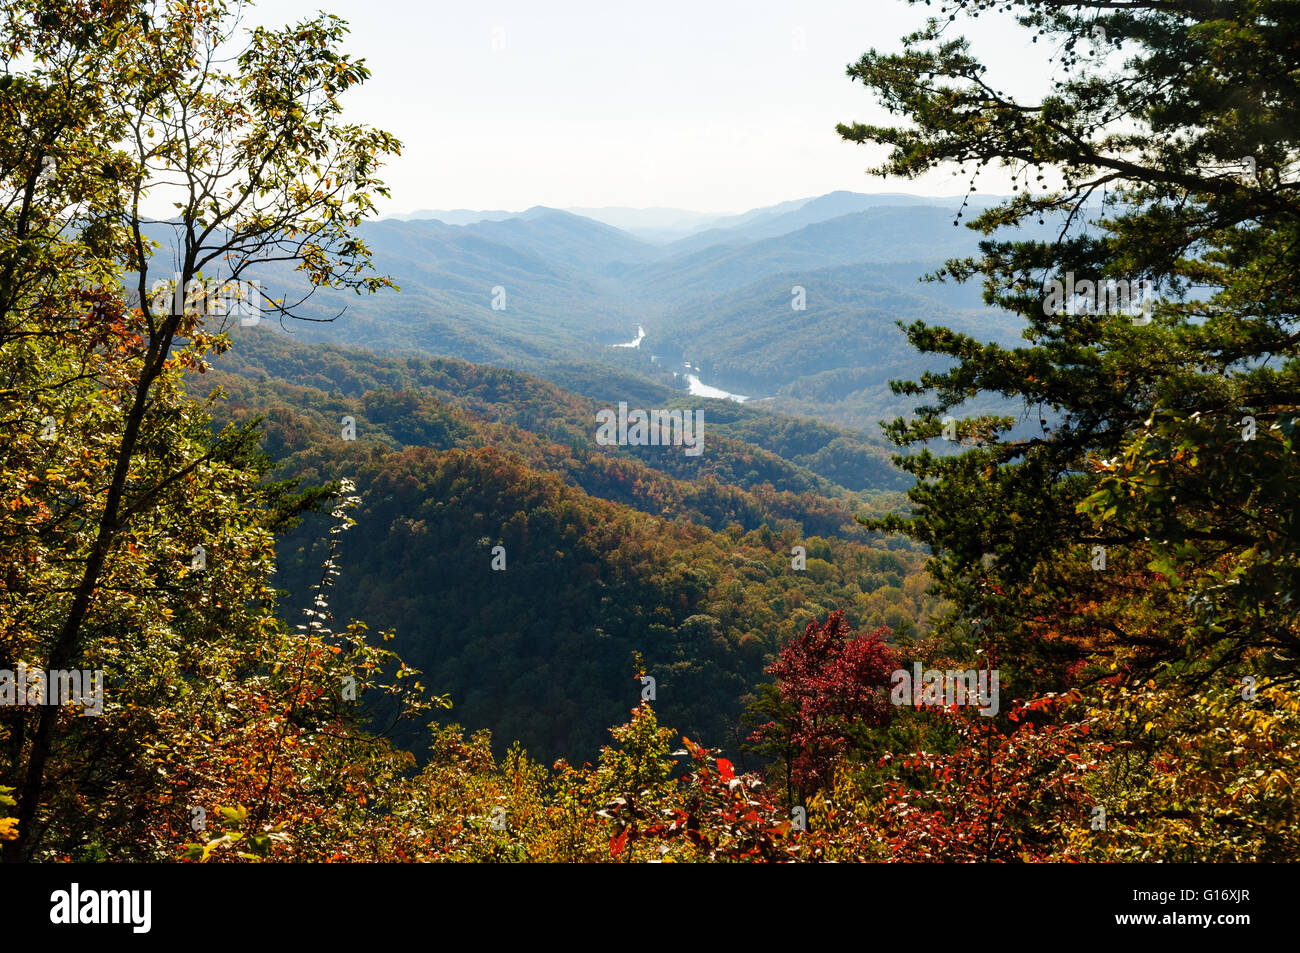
(663, 225)
(794, 305)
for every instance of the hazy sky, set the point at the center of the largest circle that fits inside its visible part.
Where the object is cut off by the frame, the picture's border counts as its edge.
(711, 105)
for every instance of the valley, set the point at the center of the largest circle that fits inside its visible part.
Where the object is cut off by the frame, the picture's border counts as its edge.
(797, 304)
(610, 550)
(778, 326)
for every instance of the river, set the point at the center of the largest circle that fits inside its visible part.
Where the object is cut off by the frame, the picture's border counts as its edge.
(636, 342)
(697, 387)
(701, 389)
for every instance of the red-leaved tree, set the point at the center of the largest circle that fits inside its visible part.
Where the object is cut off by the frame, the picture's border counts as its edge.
(835, 684)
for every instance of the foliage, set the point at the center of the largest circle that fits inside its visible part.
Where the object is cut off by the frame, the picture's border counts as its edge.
(1130, 569)
(833, 686)
(1139, 549)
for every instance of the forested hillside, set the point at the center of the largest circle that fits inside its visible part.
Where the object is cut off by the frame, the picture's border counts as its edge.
(607, 551)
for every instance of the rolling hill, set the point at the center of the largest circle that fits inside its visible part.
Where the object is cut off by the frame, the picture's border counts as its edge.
(608, 550)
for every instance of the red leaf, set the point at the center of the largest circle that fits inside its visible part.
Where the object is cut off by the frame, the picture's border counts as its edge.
(618, 841)
(726, 770)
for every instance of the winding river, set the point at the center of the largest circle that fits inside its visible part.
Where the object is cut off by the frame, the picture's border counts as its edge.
(697, 387)
(635, 342)
(700, 389)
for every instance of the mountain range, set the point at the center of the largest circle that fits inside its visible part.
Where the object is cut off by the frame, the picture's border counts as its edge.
(473, 395)
(794, 304)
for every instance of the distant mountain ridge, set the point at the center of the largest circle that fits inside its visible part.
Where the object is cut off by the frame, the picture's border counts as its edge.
(547, 290)
(659, 225)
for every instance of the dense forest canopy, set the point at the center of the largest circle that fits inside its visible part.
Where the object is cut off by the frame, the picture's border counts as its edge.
(607, 551)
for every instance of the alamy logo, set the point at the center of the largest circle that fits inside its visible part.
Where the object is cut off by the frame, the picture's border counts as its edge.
(206, 297)
(34, 686)
(1108, 296)
(653, 428)
(103, 906)
(953, 687)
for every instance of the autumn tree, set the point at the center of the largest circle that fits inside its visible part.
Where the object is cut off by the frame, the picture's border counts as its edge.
(1131, 516)
(106, 111)
(833, 686)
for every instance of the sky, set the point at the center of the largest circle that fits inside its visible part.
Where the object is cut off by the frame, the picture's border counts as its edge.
(715, 106)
